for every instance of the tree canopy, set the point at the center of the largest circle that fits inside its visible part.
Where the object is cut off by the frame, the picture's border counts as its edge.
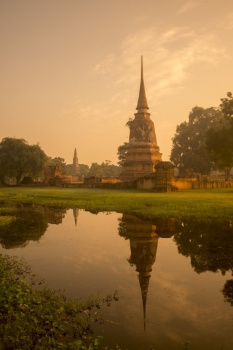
(83, 170)
(58, 161)
(19, 159)
(226, 107)
(189, 152)
(104, 169)
(219, 144)
(121, 153)
(219, 138)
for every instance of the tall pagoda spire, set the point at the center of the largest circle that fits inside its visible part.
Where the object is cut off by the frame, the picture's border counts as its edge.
(75, 153)
(142, 101)
(75, 169)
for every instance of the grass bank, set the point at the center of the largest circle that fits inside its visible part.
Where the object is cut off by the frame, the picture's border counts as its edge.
(202, 204)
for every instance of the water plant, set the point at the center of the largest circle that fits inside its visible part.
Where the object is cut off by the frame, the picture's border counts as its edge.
(34, 317)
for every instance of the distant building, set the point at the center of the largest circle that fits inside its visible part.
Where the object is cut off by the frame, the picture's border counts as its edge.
(75, 169)
(143, 152)
(52, 175)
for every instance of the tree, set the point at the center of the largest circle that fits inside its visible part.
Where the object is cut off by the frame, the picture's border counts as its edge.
(122, 149)
(189, 153)
(104, 169)
(219, 143)
(58, 161)
(129, 122)
(18, 159)
(83, 170)
(219, 138)
(121, 153)
(226, 107)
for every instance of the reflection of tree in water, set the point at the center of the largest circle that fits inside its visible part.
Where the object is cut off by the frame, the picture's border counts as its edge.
(143, 236)
(209, 244)
(29, 225)
(228, 291)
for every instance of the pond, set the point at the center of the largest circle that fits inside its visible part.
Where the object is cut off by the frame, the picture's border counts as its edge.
(174, 279)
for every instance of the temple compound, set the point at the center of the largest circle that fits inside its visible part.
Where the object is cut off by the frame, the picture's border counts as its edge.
(143, 152)
(54, 176)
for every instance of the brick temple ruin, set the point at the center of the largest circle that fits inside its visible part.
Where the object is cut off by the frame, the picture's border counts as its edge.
(143, 152)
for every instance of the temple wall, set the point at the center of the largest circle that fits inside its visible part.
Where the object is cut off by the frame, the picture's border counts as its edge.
(164, 181)
(192, 183)
(146, 183)
(212, 184)
(184, 183)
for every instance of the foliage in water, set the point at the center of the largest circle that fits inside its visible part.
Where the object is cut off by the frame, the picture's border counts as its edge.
(34, 317)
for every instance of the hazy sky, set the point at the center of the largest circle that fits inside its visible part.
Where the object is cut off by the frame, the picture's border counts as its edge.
(70, 69)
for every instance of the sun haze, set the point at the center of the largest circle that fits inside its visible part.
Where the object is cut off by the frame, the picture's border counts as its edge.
(70, 70)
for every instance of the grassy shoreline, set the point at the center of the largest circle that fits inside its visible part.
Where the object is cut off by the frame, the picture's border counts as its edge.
(201, 204)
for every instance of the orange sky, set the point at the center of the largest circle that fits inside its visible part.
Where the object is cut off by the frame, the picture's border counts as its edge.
(70, 69)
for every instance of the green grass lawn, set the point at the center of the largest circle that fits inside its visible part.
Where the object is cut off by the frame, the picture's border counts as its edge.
(202, 204)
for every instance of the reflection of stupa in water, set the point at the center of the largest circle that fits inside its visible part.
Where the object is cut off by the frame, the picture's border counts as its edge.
(54, 215)
(143, 246)
(143, 236)
(75, 213)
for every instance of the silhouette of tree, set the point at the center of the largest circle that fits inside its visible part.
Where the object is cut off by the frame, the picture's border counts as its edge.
(219, 141)
(219, 144)
(19, 159)
(189, 153)
(226, 107)
(121, 153)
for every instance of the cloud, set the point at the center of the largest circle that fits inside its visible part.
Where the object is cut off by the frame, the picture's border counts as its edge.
(104, 66)
(187, 6)
(68, 111)
(169, 56)
(227, 22)
(140, 18)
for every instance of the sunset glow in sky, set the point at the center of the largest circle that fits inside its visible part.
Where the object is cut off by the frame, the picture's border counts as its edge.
(70, 69)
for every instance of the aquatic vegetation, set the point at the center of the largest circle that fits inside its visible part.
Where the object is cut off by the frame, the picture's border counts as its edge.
(35, 317)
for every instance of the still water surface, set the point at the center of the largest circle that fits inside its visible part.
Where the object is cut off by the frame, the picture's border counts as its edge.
(174, 279)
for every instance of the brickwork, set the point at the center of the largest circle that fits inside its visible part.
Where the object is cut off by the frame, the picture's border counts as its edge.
(143, 152)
